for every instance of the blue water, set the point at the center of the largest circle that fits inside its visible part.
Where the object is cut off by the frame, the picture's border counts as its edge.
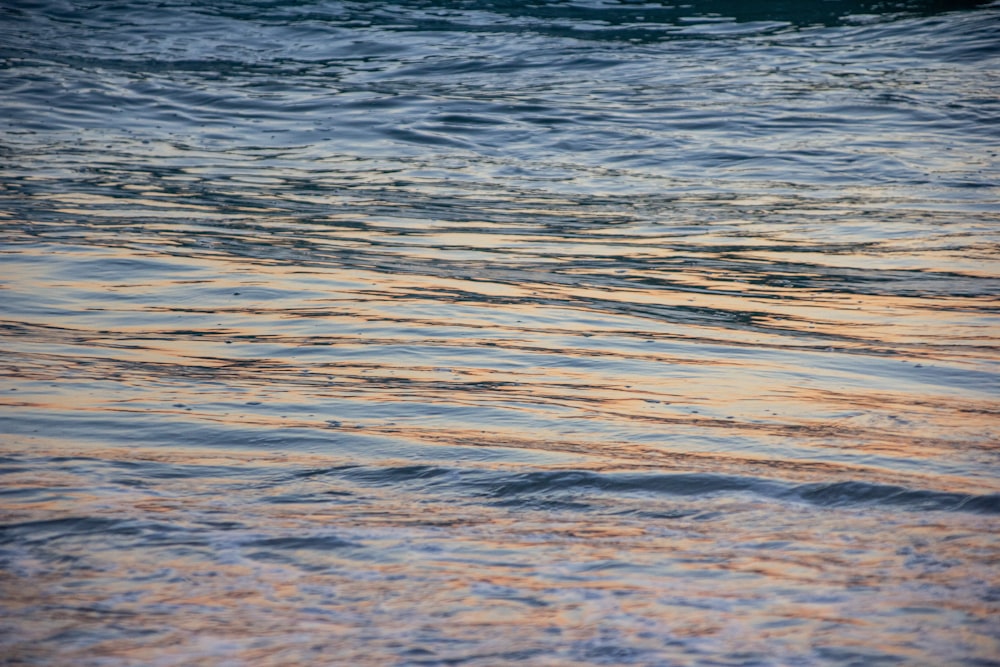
(478, 333)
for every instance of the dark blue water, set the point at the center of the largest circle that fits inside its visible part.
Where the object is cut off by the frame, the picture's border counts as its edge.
(479, 333)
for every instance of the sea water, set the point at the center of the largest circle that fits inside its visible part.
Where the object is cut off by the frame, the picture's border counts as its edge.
(485, 332)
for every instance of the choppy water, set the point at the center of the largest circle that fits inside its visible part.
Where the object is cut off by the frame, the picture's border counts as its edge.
(483, 332)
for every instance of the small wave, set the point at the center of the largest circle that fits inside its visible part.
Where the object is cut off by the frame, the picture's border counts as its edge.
(837, 494)
(94, 527)
(69, 525)
(860, 493)
(570, 489)
(318, 543)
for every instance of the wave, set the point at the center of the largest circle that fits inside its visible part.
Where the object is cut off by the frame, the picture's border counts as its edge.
(568, 488)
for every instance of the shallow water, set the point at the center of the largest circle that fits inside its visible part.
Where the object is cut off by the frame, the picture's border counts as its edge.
(485, 332)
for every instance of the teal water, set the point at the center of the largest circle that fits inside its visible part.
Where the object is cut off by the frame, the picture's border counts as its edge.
(481, 333)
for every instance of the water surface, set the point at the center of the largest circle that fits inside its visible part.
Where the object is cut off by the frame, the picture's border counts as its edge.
(492, 332)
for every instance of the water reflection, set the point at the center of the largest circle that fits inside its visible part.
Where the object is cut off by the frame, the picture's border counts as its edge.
(310, 554)
(494, 333)
(442, 343)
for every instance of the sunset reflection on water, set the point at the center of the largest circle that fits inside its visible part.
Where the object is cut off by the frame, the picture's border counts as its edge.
(481, 333)
(278, 556)
(439, 357)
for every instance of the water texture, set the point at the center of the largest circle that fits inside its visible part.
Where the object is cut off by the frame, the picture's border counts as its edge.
(478, 333)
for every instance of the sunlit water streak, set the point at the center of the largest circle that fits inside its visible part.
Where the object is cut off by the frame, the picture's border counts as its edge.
(481, 332)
